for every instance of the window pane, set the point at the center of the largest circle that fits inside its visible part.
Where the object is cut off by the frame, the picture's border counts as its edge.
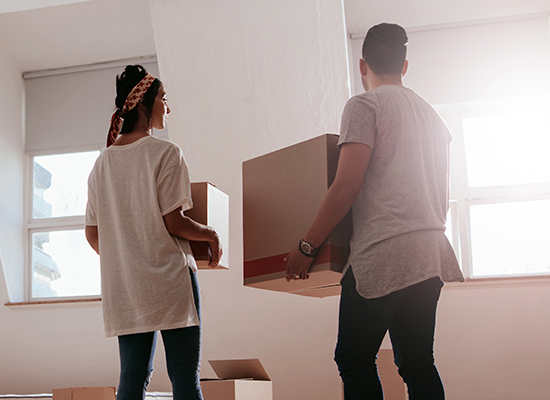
(64, 264)
(449, 227)
(510, 238)
(60, 184)
(508, 149)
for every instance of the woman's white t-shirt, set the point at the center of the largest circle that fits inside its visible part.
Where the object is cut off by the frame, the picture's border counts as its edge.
(145, 280)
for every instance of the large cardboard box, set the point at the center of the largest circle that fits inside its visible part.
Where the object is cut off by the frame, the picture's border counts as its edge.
(85, 393)
(210, 207)
(238, 380)
(282, 193)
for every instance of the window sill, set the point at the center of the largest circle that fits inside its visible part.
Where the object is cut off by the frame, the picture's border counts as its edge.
(501, 281)
(52, 301)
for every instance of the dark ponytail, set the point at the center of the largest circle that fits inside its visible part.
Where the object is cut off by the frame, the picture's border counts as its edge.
(125, 82)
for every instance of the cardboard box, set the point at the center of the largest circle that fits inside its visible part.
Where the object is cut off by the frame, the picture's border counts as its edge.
(282, 193)
(210, 207)
(85, 393)
(238, 380)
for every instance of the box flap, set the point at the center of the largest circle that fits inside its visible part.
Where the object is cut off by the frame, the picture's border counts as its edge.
(240, 369)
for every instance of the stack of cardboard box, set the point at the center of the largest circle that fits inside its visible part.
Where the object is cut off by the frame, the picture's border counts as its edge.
(84, 393)
(238, 380)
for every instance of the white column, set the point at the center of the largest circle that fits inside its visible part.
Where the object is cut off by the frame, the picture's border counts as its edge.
(247, 77)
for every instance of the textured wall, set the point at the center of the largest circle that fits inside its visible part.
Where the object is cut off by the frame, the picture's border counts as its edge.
(245, 78)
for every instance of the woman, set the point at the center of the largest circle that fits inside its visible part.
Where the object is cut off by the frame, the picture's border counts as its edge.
(137, 192)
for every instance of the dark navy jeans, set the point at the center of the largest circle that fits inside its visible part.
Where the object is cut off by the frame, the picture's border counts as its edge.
(409, 315)
(182, 348)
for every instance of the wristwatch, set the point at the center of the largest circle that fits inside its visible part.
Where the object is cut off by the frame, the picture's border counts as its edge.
(307, 249)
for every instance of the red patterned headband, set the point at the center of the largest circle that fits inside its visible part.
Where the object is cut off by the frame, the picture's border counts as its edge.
(133, 99)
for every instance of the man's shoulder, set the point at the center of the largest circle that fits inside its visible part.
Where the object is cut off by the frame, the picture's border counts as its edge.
(381, 95)
(362, 102)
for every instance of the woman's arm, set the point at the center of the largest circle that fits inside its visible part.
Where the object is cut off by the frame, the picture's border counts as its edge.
(184, 227)
(92, 237)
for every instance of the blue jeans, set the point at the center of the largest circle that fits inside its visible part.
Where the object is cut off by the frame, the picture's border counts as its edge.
(182, 348)
(409, 314)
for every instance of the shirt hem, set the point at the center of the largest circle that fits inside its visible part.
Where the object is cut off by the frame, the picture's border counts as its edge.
(185, 205)
(145, 329)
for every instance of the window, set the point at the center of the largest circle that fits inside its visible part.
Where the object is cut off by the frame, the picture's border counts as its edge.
(61, 263)
(500, 186)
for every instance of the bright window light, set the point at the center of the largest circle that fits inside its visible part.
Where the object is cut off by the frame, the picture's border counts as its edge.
(63, 265)
(510, 238)
(61, 262)
(508, 149)
(60, 184)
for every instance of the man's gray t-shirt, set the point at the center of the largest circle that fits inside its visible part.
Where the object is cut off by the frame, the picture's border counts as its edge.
(399, 215)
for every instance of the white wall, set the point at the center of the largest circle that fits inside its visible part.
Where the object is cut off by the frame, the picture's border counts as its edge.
(70, 109)
(49, 346)
(263, 75)
(11, 176)
(41, 347)
(483, 60)
(491, 341)
(491, 336)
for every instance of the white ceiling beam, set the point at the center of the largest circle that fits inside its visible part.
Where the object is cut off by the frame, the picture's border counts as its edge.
(9, 6)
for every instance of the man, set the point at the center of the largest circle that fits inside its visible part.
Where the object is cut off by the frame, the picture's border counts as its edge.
(393, 172)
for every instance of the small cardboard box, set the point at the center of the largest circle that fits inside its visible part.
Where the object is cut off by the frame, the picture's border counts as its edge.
(210, 207)
(238, 380)
(282, 193)
(85, 393)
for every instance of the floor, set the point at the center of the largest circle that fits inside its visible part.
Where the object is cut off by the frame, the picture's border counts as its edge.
(45, 396)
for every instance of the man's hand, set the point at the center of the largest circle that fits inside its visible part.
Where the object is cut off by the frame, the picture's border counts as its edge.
(297, 265)
(352, 165)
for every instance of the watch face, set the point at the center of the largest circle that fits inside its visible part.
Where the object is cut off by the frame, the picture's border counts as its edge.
(306, 247)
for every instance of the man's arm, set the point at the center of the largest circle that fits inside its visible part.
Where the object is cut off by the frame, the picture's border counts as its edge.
(184, 227)
(92, 237)
(352, 165)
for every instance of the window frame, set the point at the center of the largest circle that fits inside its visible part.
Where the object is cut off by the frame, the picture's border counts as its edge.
(462, 196)
(51, 224)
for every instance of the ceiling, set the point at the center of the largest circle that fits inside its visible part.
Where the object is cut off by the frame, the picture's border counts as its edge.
(78, 32)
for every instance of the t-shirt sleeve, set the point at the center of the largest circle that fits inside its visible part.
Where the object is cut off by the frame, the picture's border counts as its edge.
(91, 216)
(174, 187)
(358, 121)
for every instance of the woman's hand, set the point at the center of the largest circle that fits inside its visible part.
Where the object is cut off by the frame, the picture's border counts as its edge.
(184, 227)
(297, 265)
(216, 251)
